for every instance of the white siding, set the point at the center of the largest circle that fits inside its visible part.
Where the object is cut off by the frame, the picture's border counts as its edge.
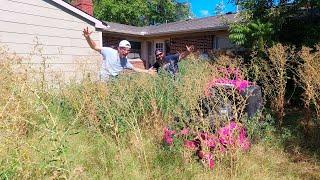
(44, 32)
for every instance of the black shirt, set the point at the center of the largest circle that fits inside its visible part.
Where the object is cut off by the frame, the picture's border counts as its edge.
(170, 64)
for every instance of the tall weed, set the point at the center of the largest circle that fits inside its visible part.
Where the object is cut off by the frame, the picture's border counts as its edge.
(271, 72)
(114, 130)
(308, 74)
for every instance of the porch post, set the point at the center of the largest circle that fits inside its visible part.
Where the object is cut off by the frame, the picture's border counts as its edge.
(144, 53)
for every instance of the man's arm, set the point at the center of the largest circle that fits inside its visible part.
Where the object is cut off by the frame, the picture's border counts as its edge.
(155, 66)
(91, 43)
(149, 71)
(186, 53)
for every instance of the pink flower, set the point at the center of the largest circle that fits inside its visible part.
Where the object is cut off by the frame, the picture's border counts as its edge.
(234, 135)
(168, 135)
(226, 134)
(243, 140)
(210, 140)
(184, 131)
(211, 143)
(241, 85)
(245, 145)
(207, 157)
(192, 145)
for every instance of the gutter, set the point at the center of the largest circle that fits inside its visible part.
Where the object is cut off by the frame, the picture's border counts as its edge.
(144, 34)
(98, 24)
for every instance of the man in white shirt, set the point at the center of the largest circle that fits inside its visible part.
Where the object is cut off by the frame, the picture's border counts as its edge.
(114, 61)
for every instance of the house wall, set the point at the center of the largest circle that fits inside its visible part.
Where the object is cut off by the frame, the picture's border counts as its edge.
(203, 42)
(43, 32)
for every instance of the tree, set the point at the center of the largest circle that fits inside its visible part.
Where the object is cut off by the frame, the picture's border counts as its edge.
(121, 11)
(140, 12)
(268, 21)
(254, 34)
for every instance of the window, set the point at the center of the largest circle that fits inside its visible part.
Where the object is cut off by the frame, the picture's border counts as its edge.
(135, 50)
(221, 42)
(160, 46)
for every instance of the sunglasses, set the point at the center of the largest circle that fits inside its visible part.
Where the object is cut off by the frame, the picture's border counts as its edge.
(158, 55)
(125, 49)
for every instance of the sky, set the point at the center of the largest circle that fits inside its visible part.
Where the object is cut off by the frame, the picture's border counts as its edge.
(204, 8)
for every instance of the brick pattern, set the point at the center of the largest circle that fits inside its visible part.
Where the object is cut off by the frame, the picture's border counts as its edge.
(138, 64)
(202, 43)
(84, 5)
(110, 41)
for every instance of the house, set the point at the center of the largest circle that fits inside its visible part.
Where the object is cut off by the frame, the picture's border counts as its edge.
(206, 34)
(48, 35)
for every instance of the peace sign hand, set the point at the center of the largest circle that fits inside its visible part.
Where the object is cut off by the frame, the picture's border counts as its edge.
(190, 48)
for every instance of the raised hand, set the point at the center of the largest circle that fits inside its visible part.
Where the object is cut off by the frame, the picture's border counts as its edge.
(190, 48)
(86, 32)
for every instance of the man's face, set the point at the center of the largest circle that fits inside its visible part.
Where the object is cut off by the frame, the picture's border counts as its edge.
(123, 51)
(159, 56)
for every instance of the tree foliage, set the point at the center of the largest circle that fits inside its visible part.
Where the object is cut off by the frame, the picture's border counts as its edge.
(266, 21)
(253, 34)
(140, 12)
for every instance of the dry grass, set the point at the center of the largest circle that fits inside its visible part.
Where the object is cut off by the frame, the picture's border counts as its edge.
(308, 74)
(93, 130)
(272, 73)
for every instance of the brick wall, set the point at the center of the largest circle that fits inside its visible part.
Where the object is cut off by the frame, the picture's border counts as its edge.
(110, 41)
(84, 5)
(138, 64)
(202, 43)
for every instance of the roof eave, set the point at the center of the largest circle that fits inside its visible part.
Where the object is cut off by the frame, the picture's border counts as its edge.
(187, 31)
(98, 24)
(123, 33)
(169, 32)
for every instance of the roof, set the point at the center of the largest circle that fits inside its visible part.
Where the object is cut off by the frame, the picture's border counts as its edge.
(122, 28)
(202, 24)
(98, 24)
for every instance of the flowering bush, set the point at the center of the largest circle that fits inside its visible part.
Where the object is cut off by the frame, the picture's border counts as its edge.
(206, 144)
(230, 77)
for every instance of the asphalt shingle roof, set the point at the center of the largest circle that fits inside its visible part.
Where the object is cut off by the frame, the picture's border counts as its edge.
(202, 24)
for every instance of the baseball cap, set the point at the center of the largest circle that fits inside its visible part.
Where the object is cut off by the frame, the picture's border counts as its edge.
(125, 43)
(157, 52)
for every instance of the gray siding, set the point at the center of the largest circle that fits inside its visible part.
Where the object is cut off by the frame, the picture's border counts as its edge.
(42, 32)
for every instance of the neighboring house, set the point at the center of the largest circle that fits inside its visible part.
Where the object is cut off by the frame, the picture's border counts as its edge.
(206, 34)
(48, 35)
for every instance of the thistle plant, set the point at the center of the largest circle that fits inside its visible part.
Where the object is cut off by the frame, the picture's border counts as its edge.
(308, 74)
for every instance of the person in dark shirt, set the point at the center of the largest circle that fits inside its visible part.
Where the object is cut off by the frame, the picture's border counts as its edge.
(170, 63)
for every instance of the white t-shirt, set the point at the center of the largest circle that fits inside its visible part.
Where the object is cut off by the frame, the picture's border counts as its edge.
(112, 64)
